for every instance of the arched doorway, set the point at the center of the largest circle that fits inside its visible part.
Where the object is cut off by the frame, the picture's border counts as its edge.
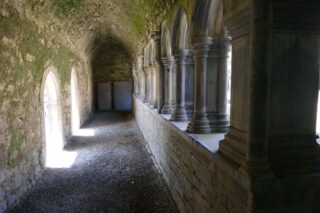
(52, 120)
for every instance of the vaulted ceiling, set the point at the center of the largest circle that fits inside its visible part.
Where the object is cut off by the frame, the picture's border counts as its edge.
(83, 25)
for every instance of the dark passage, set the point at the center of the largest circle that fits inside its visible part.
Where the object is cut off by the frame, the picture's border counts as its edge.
(113, 172)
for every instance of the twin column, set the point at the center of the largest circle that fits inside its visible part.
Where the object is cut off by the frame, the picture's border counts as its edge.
(211, 81)
(200, 93)
(183, 60)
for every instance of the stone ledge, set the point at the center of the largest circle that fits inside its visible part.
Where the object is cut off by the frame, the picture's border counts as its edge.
(201, 178)
(208, 141)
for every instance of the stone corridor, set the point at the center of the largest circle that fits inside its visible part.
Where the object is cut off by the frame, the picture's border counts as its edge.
(112, 172)
(224, 97)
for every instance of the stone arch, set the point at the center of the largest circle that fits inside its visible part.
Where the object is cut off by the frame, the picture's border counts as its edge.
(166, 49)
(52, 122)
(180, 35)
(183, 67)
(207, 19)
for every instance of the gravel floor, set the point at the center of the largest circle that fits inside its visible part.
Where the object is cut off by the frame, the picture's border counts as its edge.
(113, 172)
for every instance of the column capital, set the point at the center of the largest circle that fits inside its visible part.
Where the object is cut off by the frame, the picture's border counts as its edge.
(167, 61)
(155, 35)
(201, 45)
(183, 56)
(220, 46)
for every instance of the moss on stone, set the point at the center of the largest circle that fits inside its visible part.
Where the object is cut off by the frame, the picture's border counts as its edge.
(17, 139)
(62, 8)
(25, 39)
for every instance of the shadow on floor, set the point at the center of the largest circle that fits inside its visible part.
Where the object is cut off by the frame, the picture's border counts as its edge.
(112, 172)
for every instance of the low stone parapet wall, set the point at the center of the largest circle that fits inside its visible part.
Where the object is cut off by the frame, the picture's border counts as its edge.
(202, 180)
(189, 168)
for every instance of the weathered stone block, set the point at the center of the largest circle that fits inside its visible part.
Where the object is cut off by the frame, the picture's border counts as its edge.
(200, 204)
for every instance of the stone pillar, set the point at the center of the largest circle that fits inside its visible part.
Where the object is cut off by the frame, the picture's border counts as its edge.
(141, 76)
(182, 59)
(218, 84)
(151, 82)
(167, 65)
(135, 87)
(199, 122)
(211, 63)
(275, 72)
(152, 86)
(156, 36)
(148, 85)
(155, 87)
(190, 86)
(135, 80)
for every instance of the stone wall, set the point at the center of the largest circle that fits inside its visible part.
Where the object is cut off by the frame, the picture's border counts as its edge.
(25, 52)
(204, 181)
(111, 62)
(196, 182)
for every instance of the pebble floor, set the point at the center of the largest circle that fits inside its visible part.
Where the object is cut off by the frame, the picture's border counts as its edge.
(113, 172)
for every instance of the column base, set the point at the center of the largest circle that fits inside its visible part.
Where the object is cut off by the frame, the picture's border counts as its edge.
(258, 170)
(189, 109)
(219, 122)
(179, 114)
(293, 154)
(151, 104)
(167, 109)
(234, 145)
(155, 105)
(141, 98)
(199, 124)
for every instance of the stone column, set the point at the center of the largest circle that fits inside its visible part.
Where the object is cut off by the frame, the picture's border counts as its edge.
(155, 87)
(190, 86)
(211, 62)
(182, 58)
(151, 72)
(148, 85)
(135, 80)
(141, 77)
(218, 84)
(156, 36)
(135, 87)
(199, 122)
(276, 66)
(167, 65)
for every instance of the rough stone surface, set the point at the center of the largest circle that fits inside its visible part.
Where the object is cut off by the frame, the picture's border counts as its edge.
(25, 52)
(204, 181)
(67, 34)
(113, 172)
(189, 169)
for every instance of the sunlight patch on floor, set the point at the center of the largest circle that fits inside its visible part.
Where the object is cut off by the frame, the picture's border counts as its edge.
(65, 159)
(84, 132)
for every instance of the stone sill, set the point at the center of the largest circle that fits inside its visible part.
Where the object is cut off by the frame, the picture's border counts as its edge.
(209, 141)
